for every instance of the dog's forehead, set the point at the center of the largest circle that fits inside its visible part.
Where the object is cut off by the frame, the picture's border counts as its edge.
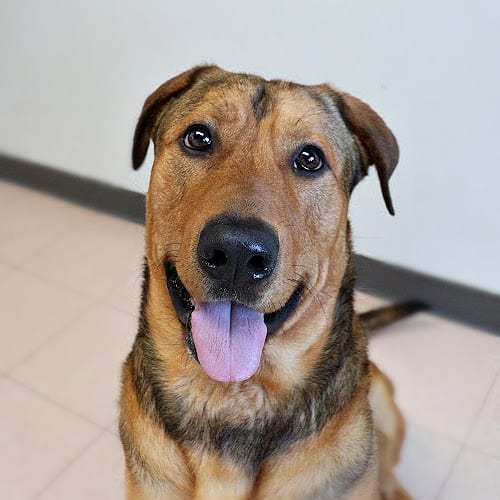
(240, 95)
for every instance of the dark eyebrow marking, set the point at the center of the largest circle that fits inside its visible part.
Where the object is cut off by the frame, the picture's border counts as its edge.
(260, 102)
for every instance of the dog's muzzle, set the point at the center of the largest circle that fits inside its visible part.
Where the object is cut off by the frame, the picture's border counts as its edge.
(226, 334)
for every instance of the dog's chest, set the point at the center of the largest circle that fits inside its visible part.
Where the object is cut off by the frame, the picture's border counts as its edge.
(255, 431)
(320, 466)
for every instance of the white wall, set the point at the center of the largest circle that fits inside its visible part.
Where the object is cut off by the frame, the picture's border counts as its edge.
(75, 74)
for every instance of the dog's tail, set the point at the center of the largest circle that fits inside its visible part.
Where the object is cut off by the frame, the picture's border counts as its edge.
(383, 316)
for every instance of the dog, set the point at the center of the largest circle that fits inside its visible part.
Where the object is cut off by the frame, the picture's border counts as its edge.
(249, 377)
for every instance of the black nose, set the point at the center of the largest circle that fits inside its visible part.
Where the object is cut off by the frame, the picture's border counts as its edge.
(238, 251)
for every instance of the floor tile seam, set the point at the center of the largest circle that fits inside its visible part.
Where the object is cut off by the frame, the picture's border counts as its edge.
(68, 464)
(111, 432)
(48, 399)
(463, 445)
(449, 472)
(117, 309)
(54, 239)
(74, 290)
(56, 283)
(482, 405)
(56, 334)
(480, 451)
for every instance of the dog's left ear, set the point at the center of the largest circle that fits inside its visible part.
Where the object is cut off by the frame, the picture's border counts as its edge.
(377, 143)
(146, 124)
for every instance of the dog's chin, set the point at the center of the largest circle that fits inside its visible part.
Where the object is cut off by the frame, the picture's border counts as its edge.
(185, 306)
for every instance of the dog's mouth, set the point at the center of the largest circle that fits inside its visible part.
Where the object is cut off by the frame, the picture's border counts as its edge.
(225, 337)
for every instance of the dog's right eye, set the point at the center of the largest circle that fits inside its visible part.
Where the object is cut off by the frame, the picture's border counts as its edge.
(198, 138)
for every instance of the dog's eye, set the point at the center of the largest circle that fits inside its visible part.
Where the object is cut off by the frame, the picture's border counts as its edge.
(309, 159)
(198, 138)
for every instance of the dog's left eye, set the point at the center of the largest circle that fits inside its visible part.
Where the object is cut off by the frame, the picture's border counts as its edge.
(309, 159)
(198, 138)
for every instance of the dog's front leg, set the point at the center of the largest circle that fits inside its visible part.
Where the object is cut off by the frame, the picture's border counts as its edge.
(219, 479)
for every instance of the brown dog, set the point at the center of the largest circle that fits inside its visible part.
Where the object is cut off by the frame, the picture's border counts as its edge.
(249, 376)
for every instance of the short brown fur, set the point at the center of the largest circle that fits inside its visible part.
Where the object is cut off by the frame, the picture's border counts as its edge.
(317, 420)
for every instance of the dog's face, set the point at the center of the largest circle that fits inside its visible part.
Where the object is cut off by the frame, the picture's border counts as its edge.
(247, 205)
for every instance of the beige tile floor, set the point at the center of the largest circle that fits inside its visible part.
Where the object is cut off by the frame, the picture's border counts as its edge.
(69, 284)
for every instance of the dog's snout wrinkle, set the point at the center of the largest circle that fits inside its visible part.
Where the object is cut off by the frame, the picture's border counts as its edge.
(237, 252)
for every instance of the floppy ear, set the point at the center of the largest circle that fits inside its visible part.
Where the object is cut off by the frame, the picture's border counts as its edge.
(144, 129)
(377, 143)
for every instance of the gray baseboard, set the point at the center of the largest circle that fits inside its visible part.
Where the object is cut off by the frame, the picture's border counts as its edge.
(444, 297)
(447, 298)
(87, 192)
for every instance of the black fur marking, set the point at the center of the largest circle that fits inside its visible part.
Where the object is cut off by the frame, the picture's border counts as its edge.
(143, 323)
(260, 102)
(302, 413)
(275, 319)
(179, 295)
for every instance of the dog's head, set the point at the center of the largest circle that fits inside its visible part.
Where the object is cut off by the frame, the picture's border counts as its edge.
(247, 207)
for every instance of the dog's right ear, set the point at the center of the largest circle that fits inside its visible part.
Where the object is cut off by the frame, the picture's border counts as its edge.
(146, 124)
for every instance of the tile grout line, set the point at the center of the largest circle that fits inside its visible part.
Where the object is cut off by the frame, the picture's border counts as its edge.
(44, 246)
(113, 433)
(59, 332)
(463, 444)
(9, 267)
(134, 315)
(53, 402)
(68, 465)
(84, 295)
(53, 282)
(481, 452)
(80, 293)
(451, 468)
(20, 266)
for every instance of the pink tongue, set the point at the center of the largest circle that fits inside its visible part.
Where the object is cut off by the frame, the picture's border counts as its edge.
(229, 339)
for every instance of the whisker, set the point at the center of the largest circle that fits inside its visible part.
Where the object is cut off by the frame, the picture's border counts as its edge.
(313, 291)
